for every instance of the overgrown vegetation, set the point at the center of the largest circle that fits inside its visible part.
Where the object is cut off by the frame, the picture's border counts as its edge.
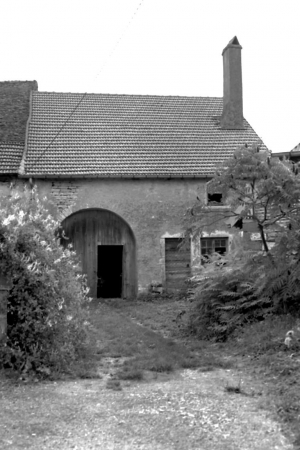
(268, 370)
(140, 336)
(266, 358)
(46, 328)
(251, 299)
(257, 349)
(246, 286)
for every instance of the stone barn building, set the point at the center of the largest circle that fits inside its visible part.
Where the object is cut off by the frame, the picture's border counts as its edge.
(123, 170)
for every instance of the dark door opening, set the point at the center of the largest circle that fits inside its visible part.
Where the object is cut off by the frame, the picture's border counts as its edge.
(110, 271)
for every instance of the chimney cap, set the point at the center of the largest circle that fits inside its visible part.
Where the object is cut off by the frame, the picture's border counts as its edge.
(234, 43)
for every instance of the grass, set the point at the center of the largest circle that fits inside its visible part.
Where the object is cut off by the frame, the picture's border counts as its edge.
(236, 388)
(139, 332)
(114, 385)
(257, 349)
(130, 372)
(144, 336)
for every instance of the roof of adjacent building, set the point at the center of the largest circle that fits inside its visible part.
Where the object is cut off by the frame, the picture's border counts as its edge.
(296, 148)
(293, 155)
(127, 136)
(10, 157)
(14, 109)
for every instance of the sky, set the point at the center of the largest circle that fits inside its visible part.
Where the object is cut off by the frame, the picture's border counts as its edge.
(161, 47)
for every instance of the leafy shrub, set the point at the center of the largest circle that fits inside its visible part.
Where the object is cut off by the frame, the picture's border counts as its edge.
(46, 326)
(242, 288)
(282, 272)
(221, 297)
(248, 287)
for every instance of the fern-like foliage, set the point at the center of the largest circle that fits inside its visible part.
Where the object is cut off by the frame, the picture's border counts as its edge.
(282, 277)
(221, 296)
(244, 287)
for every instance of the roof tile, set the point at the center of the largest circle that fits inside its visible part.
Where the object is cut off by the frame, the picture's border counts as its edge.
(128, 135)
(10, 157)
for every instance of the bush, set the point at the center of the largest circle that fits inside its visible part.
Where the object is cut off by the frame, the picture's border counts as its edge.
(243, 288)
(282, 280)
(46, 327)
(226, 295)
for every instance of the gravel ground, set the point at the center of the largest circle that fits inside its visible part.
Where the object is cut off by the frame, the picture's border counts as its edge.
(190, 410)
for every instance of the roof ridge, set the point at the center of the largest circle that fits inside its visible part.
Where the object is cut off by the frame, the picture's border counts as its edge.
(126, 95)
(18, 81)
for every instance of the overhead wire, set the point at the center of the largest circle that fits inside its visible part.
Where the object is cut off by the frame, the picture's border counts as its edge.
(60, 130)
(120, 38)
(85, 94)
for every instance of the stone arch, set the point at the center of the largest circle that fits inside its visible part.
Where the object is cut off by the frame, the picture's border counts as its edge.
(99, 233)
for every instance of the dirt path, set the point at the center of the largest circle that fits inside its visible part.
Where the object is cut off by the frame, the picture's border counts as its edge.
(187, 410)
(190, 411)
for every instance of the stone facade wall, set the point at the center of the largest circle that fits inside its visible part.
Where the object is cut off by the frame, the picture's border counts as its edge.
(64, 195)
(154, 209)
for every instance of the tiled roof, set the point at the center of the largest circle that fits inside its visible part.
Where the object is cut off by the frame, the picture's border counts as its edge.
(128, 135)
(10, 157)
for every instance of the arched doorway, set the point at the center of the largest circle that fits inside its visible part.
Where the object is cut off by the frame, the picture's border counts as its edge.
(106, 246)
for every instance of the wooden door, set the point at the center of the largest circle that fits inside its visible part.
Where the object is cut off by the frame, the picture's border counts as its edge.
(90, 229)
(177, 264)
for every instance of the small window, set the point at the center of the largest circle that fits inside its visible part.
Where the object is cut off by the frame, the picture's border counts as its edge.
(239, 224)
(213, 245)
(214, 199)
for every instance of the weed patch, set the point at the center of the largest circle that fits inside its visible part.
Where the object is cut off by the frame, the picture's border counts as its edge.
(130, 373)
(115, 385)
(234, 388)
(277, 365)
(139, 331)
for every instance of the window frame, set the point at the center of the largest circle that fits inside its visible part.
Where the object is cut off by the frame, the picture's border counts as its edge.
(213, 246)
(214, 205)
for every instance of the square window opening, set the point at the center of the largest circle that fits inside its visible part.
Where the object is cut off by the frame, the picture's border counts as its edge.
(213, 245)
(215, 199)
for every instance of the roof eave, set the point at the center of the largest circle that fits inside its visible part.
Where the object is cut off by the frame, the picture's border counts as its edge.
(119, 176)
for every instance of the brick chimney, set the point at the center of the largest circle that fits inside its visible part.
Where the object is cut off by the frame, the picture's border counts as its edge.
(232, 117)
